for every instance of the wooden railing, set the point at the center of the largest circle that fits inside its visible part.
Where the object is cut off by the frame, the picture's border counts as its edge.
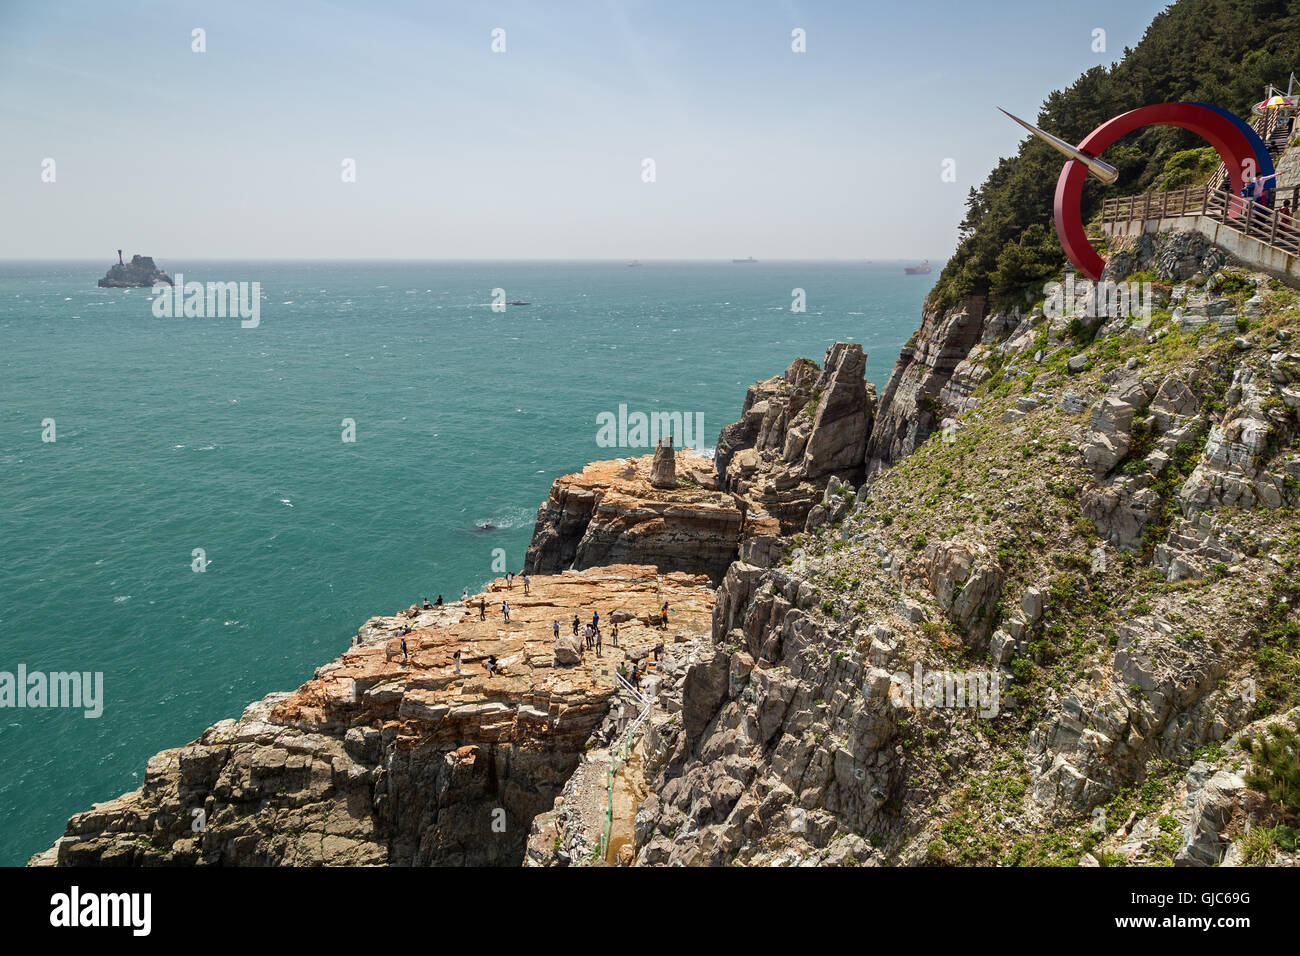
(1265, 125)
(1270, 226)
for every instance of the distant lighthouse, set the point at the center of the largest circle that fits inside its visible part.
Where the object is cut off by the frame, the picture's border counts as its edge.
(119, 258)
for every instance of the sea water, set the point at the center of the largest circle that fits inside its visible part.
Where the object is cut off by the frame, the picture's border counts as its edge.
(186, 443)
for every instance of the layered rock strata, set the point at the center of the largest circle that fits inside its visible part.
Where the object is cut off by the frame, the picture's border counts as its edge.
(613, 512)
(798, 433)
(384, 760)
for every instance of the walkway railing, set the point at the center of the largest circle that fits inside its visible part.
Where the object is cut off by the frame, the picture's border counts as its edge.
(1269, 225)
(1272, 125)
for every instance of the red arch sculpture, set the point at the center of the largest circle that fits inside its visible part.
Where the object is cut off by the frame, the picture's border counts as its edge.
(1234, 141)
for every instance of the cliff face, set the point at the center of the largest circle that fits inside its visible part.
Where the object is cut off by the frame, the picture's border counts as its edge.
(614, 512)
(377, 760)
(139, 273)
(911, 406)
(1106, 536)
(797, 434)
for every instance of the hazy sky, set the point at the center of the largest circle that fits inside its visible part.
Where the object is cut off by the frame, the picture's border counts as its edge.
(535, 152)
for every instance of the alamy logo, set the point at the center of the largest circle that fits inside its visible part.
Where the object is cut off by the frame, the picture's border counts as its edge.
(639, 430)
(75, 689)
(953, 689)
(1092, 300)
(74, 908)
(215, 300)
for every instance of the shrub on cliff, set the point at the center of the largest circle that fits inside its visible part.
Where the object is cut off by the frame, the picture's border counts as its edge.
(1276, 773)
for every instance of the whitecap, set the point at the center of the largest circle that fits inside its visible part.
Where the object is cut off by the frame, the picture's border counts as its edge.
(121, 599)
(286, 501)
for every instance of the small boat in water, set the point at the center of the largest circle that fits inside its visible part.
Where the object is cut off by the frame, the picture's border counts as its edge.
(518, 302)
(634, 262)
(921, 270)
(748, 259)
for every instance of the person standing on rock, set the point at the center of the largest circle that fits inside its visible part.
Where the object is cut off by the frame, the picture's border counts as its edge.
(659, 650)
(598, 641)
(490, 665)
(455, 660)
(614, 634)
(510, 579)
(525, 584)
(556, 629)
(636, 676)
(576, 622)
(663, 614)
(482, 609)
(403, 650)
(464, 596)
(505, 611)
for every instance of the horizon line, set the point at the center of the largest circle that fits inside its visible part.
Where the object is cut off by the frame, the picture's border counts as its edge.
(730, 261)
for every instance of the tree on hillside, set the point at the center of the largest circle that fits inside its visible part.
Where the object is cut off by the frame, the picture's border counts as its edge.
(1222, 52)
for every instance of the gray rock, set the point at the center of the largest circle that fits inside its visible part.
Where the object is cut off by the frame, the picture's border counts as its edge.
(1072, 403)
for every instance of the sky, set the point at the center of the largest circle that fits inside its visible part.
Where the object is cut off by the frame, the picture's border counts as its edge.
(538, 151)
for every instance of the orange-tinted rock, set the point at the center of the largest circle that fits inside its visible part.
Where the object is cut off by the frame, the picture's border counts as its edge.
(611, 512)
(378, 761)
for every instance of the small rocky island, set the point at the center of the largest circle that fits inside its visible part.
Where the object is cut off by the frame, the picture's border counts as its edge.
(139, 273)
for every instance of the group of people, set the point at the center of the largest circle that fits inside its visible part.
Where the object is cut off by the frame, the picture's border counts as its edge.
(592, 637)
(1255, 190)
(592, 634)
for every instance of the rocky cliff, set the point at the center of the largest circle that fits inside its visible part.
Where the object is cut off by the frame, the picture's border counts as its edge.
(798, 434)
(384, 760)
(1042, 634)
(618, 511)
(139, 273)
(1038, 608)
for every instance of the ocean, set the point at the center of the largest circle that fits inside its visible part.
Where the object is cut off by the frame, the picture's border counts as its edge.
(196, 442)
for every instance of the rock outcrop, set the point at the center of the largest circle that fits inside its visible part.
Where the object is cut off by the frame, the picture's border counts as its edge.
(663, 469)
(385, 758)
(910, 406)
(799, 434)
(612, 512)
(139, 273)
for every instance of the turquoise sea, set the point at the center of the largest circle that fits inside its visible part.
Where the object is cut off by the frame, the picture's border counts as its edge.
(177, 434)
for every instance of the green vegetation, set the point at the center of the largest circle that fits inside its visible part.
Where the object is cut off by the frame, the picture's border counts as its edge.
(1276, 771)
(1212, 51)
(1190, 167)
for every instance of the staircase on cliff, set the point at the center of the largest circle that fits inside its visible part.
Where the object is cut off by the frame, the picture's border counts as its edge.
(1274, 127)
